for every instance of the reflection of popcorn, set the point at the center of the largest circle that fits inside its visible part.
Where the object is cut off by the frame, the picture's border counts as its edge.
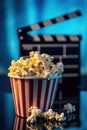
(51, 125)
(37, 65)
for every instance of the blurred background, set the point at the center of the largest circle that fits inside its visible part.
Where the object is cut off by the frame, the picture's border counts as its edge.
(20, 13)
(15, 14)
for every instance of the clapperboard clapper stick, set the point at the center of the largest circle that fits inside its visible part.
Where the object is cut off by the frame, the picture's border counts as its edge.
(23, 31)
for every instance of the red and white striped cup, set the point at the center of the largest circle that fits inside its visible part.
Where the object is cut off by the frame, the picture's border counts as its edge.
(29, 92)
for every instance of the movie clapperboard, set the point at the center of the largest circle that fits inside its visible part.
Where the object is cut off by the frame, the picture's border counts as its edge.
(65, 48)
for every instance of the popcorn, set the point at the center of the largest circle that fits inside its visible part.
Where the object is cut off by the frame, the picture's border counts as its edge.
(60, 117)
(49, 119)
(35, 112)
(36, 65)
(31, 119)
(50, 115)
(69, 108)
(60, 67)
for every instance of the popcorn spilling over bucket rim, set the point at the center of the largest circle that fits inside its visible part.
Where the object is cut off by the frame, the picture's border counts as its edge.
(36, 65)
(30, 77)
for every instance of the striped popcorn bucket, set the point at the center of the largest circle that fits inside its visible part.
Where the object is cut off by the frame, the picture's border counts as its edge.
(29, 92)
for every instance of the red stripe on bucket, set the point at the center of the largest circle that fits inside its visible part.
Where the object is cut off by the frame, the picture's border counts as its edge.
(31, 82)
(23, 97)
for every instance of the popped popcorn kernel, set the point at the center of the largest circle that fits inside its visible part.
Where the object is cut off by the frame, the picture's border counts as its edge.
(49, 115)
(35, 65)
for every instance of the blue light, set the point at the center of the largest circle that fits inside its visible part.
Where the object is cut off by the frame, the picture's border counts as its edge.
(31, 12)
(11, 34)
(8, 104)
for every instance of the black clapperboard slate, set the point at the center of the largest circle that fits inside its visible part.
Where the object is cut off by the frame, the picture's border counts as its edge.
(65, 48)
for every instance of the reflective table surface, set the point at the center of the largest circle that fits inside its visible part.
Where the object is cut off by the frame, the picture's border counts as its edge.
(74, 121)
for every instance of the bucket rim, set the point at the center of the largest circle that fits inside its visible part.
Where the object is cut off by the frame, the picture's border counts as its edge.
(30, 77)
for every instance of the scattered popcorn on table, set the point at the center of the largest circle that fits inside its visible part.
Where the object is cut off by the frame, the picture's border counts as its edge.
(49, 119)
(68, 108)
(36, 65)
(35, 112)
(49, 115)
(60, 117)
